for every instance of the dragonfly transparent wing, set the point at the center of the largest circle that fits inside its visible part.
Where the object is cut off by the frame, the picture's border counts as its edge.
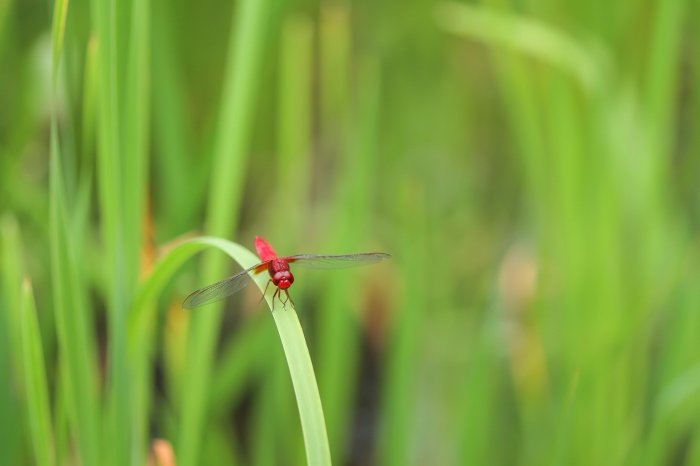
(313, 261)
(222, 289)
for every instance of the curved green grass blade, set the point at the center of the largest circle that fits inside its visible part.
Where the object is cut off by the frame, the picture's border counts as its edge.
(535, 38)
(142, 318)
(35, 381)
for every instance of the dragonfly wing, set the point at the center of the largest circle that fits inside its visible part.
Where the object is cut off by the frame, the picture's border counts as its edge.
(222, 289)
(313, 261)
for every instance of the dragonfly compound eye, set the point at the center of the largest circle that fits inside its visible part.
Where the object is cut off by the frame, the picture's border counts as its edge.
(284, 275)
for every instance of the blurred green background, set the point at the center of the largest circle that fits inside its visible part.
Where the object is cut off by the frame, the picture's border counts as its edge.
(532, 166)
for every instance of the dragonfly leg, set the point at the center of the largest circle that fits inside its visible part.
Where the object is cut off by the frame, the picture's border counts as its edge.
(277, 292)
(264, 292)
(289, 298)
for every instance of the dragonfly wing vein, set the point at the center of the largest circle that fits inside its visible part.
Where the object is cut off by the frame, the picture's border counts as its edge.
(219, 290)
(313, 261)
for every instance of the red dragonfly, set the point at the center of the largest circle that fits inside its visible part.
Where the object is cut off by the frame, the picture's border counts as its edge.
(280, 276)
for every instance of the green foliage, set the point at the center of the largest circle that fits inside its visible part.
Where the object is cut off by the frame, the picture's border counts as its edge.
(35, 381)
(531, 166)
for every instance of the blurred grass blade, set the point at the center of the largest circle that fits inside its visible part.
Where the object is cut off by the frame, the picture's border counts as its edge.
(399, 392)
(294, 123)
(11, 271)
(173, 142)
(35, 381)
(89, 110)
(60, 11)
(5, 7)
(123, 77)
(475, 437)
(529, 36)
(11, 364)
(74, 334)
(335, 65)
(679, 392)
(73, 324)
(136, 134)
(339, 344)
(135, 170)
(240, 363)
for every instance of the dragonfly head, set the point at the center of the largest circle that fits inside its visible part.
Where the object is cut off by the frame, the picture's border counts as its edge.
(283, 280)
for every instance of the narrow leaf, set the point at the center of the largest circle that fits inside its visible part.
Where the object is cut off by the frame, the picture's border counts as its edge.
(74, 335)
(35, 381)
(60, 11)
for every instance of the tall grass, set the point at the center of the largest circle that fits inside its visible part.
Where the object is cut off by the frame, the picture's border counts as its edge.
(531, 167)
